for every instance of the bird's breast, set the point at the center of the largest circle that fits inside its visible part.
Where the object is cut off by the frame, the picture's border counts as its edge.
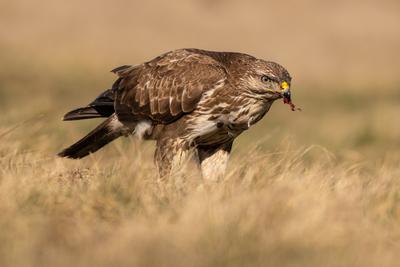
(249, 112)
(219, 125)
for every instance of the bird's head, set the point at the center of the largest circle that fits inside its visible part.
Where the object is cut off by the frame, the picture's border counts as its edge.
(268, 80)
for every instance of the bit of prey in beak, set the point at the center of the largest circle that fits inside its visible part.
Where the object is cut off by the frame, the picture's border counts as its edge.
(286, 95)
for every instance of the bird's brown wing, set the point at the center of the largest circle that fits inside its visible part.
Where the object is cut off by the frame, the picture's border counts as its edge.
(167, 87)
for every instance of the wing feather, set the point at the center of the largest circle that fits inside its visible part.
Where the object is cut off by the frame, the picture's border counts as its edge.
(167, 87)
(174, 103)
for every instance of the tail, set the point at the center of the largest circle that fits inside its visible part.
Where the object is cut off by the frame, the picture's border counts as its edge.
(89, 112)
(103, 134)
(102, 106)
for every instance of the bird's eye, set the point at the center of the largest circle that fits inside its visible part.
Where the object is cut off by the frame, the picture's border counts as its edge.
(265, 79)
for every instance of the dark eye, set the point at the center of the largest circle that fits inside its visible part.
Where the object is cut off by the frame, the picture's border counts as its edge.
(265, 79)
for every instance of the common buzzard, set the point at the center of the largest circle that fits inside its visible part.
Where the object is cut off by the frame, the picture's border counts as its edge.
(188, 100)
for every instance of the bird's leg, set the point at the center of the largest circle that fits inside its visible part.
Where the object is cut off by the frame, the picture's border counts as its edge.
(213, 161)
(170, 155)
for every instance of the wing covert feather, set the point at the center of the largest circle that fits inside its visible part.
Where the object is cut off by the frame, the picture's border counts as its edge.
(167, 87)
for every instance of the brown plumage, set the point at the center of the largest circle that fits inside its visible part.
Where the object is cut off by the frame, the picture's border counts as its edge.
(192, 102)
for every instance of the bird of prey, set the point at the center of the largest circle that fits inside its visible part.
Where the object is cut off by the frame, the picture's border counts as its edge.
(190, 101)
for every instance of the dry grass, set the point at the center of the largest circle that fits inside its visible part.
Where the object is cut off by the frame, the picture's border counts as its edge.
(291, 207)
(316, 188)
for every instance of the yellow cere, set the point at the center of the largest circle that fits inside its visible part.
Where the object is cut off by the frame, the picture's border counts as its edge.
(284, 85)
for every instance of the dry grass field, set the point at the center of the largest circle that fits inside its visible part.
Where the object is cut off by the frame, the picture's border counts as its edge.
(319, 187)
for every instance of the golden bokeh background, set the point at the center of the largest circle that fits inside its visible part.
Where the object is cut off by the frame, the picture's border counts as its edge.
(343, 56)
(313, 188)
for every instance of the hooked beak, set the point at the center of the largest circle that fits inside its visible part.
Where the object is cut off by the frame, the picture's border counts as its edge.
(287, 98)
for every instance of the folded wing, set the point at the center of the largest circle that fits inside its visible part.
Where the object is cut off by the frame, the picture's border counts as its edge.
(167, 87)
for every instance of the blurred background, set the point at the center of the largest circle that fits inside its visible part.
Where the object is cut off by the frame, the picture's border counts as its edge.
(343, 56)
(316, 188)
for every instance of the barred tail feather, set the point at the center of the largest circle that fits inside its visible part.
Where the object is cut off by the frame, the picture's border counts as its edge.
(103, 134)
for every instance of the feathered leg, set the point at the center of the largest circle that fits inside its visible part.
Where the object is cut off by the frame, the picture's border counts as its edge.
(170, 155)
(213, 161)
